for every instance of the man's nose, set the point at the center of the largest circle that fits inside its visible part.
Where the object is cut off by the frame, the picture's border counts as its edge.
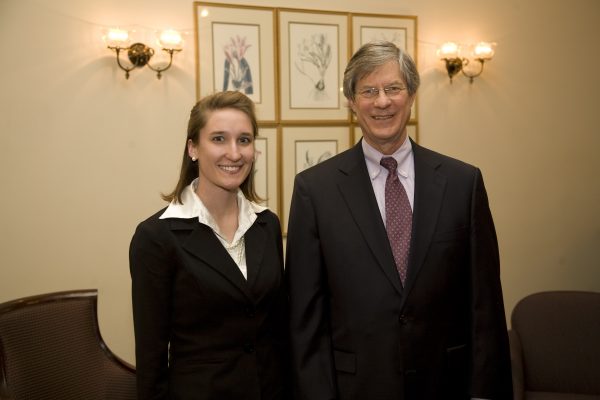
(382, 99)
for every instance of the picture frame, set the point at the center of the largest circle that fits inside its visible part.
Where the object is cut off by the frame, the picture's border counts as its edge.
(266, 167)
(303, 147)
(313, 56)
(236, 50)
(399, 29)
(296, 58)
(413, 132)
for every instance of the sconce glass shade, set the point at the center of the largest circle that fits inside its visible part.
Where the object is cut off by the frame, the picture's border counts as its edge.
(116, 37)
(484, 50)
(448, 50)
(170, 39)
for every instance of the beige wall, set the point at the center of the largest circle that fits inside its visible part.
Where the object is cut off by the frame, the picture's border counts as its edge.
(84, 153)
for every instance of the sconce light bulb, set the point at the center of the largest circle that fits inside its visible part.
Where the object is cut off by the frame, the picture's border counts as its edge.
(170, 39)
(116, 37)
(448, 50)
(204, 13)
(484, 50)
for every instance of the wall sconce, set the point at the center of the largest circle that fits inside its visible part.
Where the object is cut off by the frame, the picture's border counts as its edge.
(139, 54)
(450, 52)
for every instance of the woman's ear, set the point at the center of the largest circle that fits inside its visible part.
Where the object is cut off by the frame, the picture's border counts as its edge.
(192, 150)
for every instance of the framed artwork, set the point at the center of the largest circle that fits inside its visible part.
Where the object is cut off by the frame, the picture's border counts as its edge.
(266, 167)
(413, 132)
(400, 30)
(235, 50)
(313, 55)
(304, 147)
(291, 63)
(311, 152)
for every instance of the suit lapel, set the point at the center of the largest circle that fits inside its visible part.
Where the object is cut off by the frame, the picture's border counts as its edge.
(429, 192)
(357, 190)
(204, 245)
(255, 239)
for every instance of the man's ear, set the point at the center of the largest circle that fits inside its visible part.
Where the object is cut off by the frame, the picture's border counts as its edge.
(411, 99)
(352, 105)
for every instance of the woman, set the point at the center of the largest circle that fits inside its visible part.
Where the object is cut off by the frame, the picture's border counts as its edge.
(208, 298)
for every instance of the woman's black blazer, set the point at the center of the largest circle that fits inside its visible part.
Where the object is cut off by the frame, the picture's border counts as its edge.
(202, 331)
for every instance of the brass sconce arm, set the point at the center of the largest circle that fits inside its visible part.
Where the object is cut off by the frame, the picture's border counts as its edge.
(159, 70)
(126, 69)
(481, 61)
(456, 65)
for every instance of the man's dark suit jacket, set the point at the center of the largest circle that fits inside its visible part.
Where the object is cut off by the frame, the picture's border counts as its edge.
(227, 336)
(356, 332)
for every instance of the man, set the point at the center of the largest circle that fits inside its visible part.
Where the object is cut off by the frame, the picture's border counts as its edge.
(393, 276)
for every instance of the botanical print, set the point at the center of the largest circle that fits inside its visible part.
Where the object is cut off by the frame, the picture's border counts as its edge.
(237, 58)
(313, 66)
(316, 52)
(310, 153)
(237, 70)
(394, 35)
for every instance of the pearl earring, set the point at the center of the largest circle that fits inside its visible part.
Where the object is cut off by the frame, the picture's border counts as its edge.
(194, 159)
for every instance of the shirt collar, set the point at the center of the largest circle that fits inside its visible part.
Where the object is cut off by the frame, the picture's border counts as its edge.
(193, 207)
(373, 158)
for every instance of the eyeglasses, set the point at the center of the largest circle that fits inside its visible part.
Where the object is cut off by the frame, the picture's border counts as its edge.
(390, 91)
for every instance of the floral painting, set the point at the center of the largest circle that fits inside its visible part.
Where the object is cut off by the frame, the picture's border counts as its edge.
(312, 152)
(238, 75)
(394, 35)
(236, 58)
(313, 65)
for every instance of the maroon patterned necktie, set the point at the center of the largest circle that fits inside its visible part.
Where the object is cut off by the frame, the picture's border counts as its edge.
(398, 216)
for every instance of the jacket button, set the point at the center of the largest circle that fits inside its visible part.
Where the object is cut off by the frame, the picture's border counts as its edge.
(402, 319)
(249, 348)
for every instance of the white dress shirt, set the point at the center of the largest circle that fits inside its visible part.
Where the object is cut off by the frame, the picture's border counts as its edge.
(378, 173)
(193, 207)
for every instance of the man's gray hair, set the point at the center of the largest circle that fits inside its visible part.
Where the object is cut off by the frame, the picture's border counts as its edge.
(373, 55)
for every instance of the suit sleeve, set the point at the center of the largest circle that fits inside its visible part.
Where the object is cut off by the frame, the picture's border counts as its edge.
(312, 364)
(491, 370)
(150, 268)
